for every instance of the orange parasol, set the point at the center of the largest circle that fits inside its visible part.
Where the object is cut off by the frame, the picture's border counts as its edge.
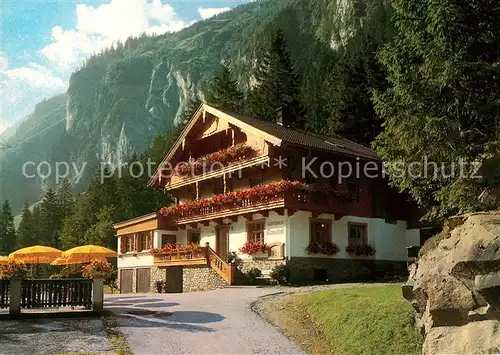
(71, 261)
(37, 254)
(88, 253)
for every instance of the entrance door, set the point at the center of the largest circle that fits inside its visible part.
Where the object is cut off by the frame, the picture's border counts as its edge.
(222, 241)
(126, 280)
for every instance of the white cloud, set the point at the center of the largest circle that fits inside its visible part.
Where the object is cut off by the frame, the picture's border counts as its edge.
(4, 62)
(207, 12)
(101, 26)
(35, 76)
(21, 88)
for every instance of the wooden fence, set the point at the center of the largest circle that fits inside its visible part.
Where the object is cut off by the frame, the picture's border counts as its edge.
(56, 293)
(4, 293)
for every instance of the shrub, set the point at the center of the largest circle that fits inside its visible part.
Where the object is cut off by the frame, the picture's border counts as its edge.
(281, 273)
(12, 270)
(253, 273)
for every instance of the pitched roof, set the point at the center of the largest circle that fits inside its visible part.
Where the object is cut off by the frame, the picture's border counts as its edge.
(307, 139)
(276, 133)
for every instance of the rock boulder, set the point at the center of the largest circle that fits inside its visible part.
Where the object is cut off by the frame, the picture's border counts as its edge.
(454, 286)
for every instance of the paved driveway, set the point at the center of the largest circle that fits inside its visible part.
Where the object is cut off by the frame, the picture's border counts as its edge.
(214, 322)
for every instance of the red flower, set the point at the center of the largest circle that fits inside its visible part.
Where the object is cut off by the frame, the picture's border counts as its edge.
(251, 248)
(327, 248)
(361, 249)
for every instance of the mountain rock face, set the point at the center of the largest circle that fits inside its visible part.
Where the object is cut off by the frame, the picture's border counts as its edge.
(455, 287)
(120, 99)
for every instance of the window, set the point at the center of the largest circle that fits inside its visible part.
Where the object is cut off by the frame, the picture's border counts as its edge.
(256, 180)
(353, 188)
(357, 233)
(130, 245)
(146, 241)
(321, 231)
(255, 231)
(218, 187)
(168, 239)
(194, 236)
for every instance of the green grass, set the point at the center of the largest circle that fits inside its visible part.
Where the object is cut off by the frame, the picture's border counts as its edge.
(364, 320)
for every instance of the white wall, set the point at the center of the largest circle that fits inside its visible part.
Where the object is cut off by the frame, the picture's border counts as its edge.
(389, 240)
(180, 236)
(275, 232)
(142, 259)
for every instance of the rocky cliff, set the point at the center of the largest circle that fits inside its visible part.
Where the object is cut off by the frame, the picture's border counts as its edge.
(121, 98)
(455, 287)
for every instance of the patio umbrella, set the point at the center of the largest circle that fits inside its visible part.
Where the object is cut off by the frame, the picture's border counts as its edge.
(4, 260)
(88, 253)
(37, 254)
(71, 261)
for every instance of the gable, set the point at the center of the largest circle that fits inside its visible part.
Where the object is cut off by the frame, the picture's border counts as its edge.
(210, 130)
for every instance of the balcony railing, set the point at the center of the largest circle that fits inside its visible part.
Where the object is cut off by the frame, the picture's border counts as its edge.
(294, 199)
(200, 256)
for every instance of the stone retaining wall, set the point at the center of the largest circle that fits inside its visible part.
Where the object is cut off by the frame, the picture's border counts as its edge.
(303, 269)
(201, 278)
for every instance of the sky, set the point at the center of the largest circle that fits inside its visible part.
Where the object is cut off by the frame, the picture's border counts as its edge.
(44, 41)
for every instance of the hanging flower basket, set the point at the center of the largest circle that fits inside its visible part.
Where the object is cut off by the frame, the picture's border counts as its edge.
(361, 250)
(327, 248)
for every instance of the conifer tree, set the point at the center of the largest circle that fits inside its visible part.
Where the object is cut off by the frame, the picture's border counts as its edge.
(26, 230)
(223, 91)
(7, 230)
(277, 85)
(50, 220)
(442, 103)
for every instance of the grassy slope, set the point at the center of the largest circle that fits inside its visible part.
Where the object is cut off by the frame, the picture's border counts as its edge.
(375, 320)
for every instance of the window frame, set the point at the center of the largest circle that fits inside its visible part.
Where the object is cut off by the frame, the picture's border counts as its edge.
(167, 235)
(353, 183)
(364, 237)
(190, 232)
(250, 234)
(328, 223)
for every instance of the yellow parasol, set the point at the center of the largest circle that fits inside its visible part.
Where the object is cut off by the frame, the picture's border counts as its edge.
(37, 254)
(4, 260)
(88, 253)
(71, 261)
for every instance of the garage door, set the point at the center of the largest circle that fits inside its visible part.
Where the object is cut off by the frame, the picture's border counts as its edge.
(126, 280)
(143, 280)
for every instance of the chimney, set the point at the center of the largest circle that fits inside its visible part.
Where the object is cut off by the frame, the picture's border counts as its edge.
(279, 116)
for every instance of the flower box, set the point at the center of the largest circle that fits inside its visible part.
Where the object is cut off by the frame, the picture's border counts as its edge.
(327, 248)
(254, 249)
(256, 194)
(361, 250)
(215, 161)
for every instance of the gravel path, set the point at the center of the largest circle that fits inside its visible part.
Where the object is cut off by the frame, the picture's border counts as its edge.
(214, 322)
(53, 336)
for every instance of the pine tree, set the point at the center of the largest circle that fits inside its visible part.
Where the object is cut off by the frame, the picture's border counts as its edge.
(26, 230)
(442, 102)
(277, 85)
(223, 91)
(7, 229)
(64, 197)
(50, 220)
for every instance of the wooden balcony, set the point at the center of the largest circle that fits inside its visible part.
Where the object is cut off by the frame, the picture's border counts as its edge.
(294, 200)
(202, 256)
(178, 181)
